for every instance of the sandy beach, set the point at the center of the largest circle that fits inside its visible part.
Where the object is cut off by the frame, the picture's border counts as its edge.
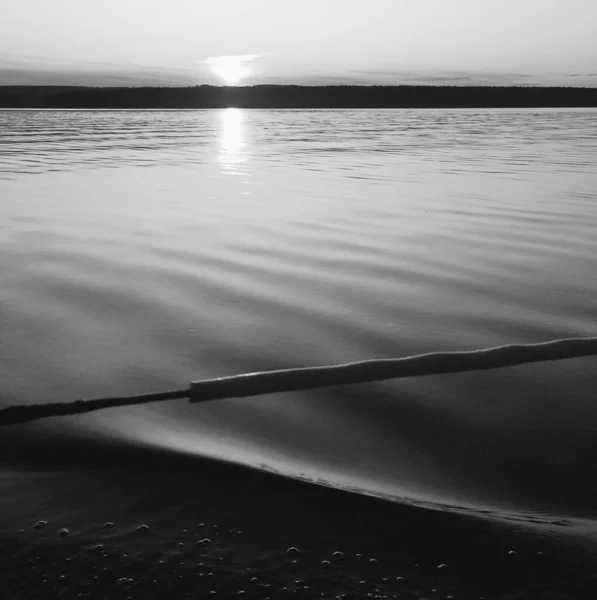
(158, 526)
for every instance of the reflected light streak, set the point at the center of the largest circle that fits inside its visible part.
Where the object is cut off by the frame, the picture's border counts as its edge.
(231, 140)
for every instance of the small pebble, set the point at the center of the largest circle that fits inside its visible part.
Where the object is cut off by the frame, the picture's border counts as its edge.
(108, 525)
(204, 542)
(40, 525)
(64, 533)
(143, 528)
(442, 566)
(512, 553)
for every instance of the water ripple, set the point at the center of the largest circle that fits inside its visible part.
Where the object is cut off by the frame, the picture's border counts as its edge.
(144, 249)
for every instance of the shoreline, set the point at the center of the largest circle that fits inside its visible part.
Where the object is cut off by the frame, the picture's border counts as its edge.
(347, 543)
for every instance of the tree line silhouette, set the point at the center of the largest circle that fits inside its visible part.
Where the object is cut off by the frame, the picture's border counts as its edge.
(295, 96)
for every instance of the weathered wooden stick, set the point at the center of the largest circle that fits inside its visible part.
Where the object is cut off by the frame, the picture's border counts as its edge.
(288, 380)
(23, 413)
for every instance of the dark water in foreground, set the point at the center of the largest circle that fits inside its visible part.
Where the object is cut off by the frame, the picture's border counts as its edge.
(141, 250)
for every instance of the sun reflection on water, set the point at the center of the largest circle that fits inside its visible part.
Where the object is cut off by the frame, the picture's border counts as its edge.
(232, 140)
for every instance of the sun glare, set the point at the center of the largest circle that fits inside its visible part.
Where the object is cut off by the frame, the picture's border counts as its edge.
(232, 69)
(231, 139)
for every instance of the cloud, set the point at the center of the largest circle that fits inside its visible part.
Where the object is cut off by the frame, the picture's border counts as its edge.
(33, 76)
(399, 77)
(230, 58)
(313, 79)
(440, 79)
(276, 71)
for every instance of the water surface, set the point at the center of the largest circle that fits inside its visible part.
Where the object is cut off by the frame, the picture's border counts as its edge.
(141, 250)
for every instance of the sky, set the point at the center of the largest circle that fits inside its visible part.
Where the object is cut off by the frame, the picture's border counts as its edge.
(308, 42)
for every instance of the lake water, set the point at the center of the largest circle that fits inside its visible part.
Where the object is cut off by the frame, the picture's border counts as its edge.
(140, 250)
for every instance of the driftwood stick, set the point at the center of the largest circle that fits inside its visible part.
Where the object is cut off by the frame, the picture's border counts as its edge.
(288, 380)
(23, 413)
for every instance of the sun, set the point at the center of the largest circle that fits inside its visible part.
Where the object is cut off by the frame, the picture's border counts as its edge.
(232, 69)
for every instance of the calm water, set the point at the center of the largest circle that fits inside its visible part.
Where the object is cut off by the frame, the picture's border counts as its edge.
(142, 250)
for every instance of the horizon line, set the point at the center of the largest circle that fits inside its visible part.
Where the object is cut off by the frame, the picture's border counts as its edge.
(302, 85)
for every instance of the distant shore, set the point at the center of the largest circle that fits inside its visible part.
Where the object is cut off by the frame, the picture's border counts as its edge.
(295, 96)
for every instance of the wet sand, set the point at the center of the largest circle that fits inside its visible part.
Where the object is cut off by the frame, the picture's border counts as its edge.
(153, 525)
